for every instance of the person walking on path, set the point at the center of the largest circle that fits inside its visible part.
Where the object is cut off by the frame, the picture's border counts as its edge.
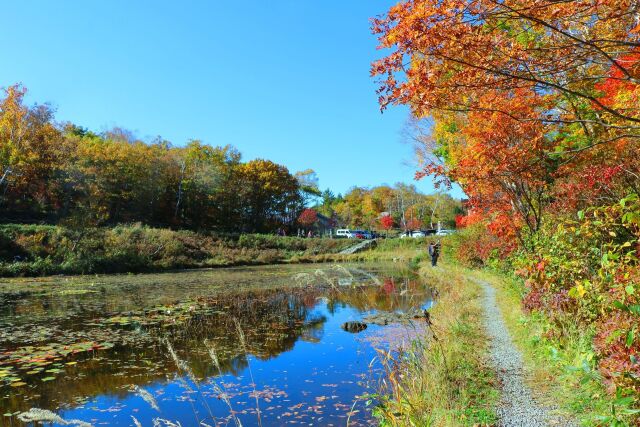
(434, 253)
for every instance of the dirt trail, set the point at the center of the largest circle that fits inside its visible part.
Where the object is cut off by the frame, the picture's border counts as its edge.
(518, 406)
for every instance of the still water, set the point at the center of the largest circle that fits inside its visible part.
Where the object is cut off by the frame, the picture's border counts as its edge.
(239, 346)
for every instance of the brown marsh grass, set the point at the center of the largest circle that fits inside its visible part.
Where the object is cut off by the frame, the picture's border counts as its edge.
(442, 379)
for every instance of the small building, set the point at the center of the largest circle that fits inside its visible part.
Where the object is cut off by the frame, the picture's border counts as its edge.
(325, 225)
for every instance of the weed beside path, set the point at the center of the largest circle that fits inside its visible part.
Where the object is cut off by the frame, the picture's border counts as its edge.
(446, 380)
(507, 373)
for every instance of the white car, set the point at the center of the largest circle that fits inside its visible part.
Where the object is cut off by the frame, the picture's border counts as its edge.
(445, 232)
(343, 233)
(415, 234)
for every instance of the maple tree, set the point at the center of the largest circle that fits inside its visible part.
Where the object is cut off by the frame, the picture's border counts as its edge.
(448, 54)
(532, 108)
(308, 217)
(386, 222)
(519, 91)
(501, 163)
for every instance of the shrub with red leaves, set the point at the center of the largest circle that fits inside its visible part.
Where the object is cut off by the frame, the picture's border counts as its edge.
(308, 217)
(386, 222)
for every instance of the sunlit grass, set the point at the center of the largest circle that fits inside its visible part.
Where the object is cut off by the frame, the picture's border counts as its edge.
(444, 378)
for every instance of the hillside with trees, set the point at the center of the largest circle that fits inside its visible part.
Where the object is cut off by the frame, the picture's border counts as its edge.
(62, 173)
(77, 201)
(407, 208)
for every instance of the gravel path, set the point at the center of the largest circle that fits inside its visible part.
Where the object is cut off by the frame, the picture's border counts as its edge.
(518, 407)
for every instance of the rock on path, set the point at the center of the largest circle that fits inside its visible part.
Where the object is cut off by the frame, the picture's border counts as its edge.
(518, 407)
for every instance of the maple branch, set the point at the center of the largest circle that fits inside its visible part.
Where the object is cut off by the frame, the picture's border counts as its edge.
(570, 36)
(541, 82)
(606, 141)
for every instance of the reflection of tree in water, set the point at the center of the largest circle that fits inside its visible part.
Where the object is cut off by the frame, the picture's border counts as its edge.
(401, 294)
(272, 321)
(366, 291)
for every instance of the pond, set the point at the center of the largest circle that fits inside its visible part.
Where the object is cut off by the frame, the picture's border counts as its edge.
(238, 346)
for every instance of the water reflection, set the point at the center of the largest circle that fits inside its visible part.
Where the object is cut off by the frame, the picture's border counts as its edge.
(83, 346)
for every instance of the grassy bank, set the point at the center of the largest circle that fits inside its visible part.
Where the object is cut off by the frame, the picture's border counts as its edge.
(449, 382)
(560, 360)
(400, 250)
(34, 250)
(446, 381)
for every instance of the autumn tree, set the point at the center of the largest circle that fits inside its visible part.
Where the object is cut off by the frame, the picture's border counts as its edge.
(387, 223)
(270, 196)
(29, 153)
(13, 130)
(308, 218)
(448, 55)
(350, 209)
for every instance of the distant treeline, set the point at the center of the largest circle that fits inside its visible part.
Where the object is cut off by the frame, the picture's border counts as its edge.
(405, 207)
(62, 173)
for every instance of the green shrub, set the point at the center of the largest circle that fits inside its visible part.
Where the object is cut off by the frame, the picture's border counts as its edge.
(29, 250)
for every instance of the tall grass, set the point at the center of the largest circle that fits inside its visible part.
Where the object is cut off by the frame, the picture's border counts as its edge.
(223, 394)
(243, 345)
(185, 370)
(31, 250)
(442, 379)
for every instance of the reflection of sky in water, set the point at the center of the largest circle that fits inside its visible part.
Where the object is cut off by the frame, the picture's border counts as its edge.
(315, 382)
(311, 373)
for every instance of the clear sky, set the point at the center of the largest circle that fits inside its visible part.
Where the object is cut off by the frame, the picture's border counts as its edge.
(285, 80)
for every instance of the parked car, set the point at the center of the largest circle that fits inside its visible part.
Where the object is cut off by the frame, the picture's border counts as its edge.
(358, 234)
(445, 232)
(343, 233)
(414, 233)
(368, 235)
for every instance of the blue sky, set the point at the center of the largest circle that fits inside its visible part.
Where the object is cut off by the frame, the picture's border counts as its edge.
(286, 80)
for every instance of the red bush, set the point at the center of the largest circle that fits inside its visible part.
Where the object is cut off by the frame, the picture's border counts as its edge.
(308, 217)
